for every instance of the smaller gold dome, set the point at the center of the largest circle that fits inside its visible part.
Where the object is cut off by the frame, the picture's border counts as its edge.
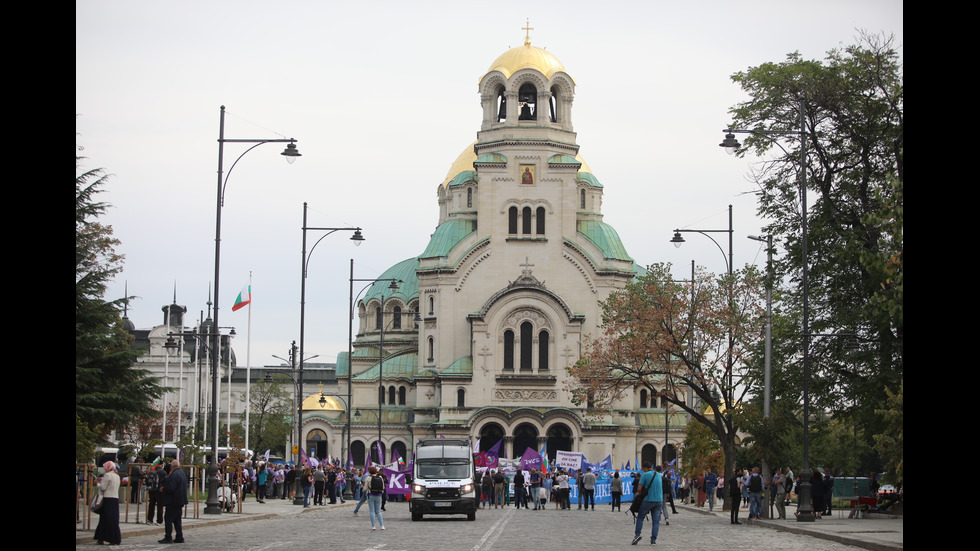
(312, 403)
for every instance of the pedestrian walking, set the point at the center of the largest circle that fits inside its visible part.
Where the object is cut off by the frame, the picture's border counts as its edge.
(650, 504)
(174, 500)
(375, 486)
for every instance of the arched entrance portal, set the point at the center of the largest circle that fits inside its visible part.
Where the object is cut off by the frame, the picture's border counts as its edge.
(399, 447)
(559, 438)
(316, 444)
(374, 453)
(525, 436)
(357, 453)
(649, 454)
(490, 435)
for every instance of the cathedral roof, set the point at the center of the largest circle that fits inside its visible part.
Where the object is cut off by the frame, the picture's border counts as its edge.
(527, 57)
(408, 286)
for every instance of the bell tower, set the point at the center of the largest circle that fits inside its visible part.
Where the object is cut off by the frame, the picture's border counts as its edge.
(527, 88)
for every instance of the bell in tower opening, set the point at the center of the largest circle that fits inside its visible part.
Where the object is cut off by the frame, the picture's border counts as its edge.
(527, 98)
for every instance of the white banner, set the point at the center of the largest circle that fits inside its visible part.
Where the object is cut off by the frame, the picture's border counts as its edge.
(569, 460)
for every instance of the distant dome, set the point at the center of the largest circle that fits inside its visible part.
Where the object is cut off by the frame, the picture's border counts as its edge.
(527, 57)
(312, 403)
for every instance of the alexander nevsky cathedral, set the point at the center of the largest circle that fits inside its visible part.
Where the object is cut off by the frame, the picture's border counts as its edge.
(474, 338)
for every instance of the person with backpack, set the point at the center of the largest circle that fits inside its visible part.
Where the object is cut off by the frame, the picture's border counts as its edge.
(755, 485)
(154, 497)
(375, 486)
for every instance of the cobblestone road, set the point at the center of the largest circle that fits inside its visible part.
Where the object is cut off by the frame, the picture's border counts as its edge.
(493, 530)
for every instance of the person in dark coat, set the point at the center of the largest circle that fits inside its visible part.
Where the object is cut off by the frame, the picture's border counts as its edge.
(174, 499)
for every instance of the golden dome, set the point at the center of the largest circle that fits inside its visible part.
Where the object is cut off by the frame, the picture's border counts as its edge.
(527, 57)
(462, 163)
(312, 403)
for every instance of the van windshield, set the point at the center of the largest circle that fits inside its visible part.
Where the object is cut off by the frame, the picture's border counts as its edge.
(443, 469)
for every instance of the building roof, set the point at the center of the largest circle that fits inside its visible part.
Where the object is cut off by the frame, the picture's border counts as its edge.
(527, 57)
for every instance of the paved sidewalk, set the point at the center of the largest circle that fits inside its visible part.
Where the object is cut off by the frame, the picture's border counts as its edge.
(877, 532)
(251, 510)
(880, 532)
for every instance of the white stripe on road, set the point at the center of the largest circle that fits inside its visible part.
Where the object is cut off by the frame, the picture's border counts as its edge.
(486, 542)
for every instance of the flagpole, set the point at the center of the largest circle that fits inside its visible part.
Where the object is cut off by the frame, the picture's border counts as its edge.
(248, 363)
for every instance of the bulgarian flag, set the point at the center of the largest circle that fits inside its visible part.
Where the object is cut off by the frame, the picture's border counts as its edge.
(243, 298)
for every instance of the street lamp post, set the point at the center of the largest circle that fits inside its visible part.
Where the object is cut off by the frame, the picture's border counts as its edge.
(678, 240)
(730, 144)
(357, 238)
(213, 507)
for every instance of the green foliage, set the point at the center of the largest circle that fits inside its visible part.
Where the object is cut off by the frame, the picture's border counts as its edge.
(891, 442)
(109, 390)
(852, 106)
(269, 407)
(673, 338)
(86, 440)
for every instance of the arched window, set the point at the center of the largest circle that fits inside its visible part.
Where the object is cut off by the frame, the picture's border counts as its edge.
(527, 339)
(397, 322)
(543, 338)
(501, 104)
(381, 395)
(432, 305)
(527, 100)
(508, 350)
(540, 221)
(554, 104)
(526, 222)
(643, 399)
(377, 318)
(582, 199)
(432, 348)
(391, 395)
(402, 392)
(460, 398)
(512, 220)
(469, 197)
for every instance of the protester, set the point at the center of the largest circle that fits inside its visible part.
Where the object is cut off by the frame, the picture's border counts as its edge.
(262, 479)
(651, 504)
(374, 484)
(107, 531)
(519, 489)
(488, 488)
(588, 485)
(174, 500)
(535, 484)
(616, 491)
(154, 497)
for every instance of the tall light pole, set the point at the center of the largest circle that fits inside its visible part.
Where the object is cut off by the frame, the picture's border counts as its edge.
(357, 238)
(678, 240)
(730, 144)
(213, 506)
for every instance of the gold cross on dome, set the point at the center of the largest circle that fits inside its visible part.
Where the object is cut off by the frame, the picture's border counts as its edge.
(527, 33)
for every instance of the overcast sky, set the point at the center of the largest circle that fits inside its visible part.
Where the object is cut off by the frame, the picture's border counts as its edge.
(382, 97)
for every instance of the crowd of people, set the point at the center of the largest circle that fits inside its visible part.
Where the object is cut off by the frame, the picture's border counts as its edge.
(164, 486)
